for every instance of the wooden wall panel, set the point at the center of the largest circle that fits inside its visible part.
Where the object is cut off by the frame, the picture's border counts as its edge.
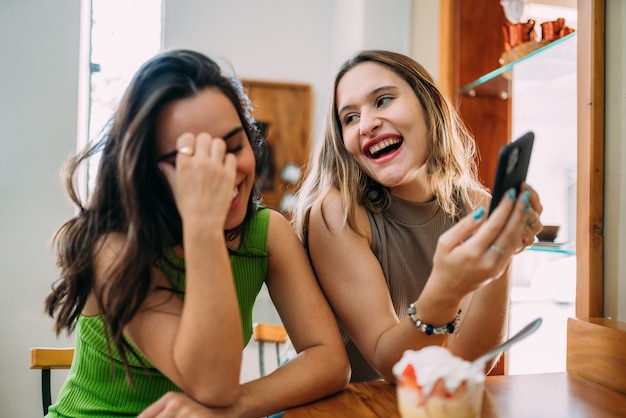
(595, 351)
(478, 45)
(286, 107)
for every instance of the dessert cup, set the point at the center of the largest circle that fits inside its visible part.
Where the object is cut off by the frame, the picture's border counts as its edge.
(432, 383)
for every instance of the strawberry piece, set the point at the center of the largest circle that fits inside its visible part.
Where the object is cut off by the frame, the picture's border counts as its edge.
(408, 375)
(409, 381)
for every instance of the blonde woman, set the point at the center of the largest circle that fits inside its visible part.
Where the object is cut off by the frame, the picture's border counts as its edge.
(393, 216)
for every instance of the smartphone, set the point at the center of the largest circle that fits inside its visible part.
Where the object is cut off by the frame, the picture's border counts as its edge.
(512, 167)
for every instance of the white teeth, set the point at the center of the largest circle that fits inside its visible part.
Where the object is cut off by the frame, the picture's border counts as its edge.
(382, 145)
(235, 193)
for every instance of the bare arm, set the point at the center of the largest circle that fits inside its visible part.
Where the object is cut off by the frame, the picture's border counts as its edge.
(321, 366)
(197, 344)
(355, 285)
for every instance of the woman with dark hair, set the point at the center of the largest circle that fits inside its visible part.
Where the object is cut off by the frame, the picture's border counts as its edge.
(392, 214)
(160, 268)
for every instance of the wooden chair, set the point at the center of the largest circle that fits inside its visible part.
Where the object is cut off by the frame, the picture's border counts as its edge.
(47, 359)
(271, 334)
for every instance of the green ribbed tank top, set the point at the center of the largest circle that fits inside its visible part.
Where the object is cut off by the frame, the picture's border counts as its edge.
(97, 386)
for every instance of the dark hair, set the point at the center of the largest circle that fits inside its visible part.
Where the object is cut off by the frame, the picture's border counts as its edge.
(132, 197)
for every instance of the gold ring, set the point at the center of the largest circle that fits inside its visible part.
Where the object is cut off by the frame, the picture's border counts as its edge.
(496, 249)
(186, 151)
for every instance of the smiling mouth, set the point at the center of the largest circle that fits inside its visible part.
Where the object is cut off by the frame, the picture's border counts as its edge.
(384, 147)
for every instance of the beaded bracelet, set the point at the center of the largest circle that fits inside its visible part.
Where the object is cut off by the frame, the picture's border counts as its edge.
(428, 329)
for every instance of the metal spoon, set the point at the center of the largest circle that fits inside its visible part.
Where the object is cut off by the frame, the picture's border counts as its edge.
(479, 363)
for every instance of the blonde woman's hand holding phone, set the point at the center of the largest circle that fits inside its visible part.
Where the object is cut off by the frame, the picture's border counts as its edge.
(477, 249)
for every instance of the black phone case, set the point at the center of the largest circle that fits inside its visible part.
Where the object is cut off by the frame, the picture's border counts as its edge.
(512, 167)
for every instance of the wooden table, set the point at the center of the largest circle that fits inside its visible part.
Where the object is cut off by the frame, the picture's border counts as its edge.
(549, 395)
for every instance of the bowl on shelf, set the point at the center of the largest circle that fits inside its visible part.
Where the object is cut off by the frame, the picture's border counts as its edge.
(548, 233)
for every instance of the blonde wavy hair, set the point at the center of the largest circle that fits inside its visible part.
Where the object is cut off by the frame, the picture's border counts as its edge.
(451, 164)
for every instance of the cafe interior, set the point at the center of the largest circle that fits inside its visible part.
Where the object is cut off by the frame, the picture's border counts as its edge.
(554, 67)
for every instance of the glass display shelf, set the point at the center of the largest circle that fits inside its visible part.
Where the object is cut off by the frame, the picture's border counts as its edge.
(497, 83)
(568, 248)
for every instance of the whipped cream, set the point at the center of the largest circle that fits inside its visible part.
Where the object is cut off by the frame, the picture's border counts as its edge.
(434, 363)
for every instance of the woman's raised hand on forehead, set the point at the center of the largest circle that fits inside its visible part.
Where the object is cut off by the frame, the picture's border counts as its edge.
(203, 180)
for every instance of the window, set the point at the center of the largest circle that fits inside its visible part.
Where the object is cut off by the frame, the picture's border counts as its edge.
(122, 36)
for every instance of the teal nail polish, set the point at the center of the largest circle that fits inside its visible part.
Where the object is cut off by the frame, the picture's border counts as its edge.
(526, 201)
(478, 213)
(512, 193)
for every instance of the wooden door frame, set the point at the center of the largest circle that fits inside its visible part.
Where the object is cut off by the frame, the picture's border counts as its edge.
(590, 177)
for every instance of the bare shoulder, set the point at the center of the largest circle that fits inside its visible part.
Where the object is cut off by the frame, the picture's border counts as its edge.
(279, 232)
(329, 213)
(278, 222)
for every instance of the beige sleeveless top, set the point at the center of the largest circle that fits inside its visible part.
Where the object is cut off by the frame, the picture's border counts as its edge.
(404, 237)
